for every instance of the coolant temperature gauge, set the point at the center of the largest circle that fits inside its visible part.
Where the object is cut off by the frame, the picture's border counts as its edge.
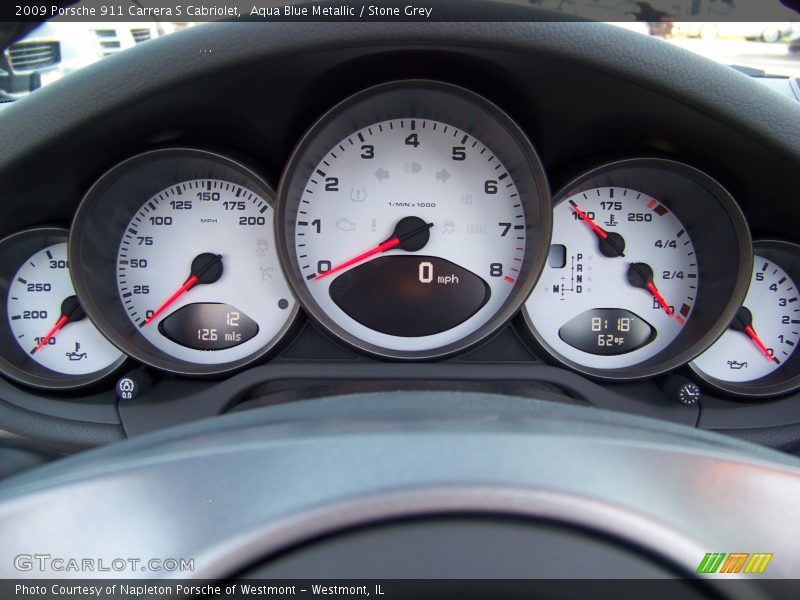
(649, 260)
(621, 279)
(758, 349)
(54, 344)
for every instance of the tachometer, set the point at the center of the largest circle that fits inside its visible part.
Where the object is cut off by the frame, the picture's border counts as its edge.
(756, 356)
(413, 219)
(47, 340)
(635, 281)
(192, 283)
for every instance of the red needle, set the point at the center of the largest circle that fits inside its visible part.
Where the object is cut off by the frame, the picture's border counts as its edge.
(59, 324)
(206, 268)
(410, 233)
(595, 227)
(187, 285)
(657, 295)
(387, 245)
(753, 336)
(71, 311)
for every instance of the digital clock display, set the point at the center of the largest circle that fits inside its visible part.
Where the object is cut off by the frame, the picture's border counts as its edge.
(607, 332)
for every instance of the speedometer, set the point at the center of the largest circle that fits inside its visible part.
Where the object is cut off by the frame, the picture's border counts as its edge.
(413, 219)
(182, 268)
(636, 282)
(193, 284)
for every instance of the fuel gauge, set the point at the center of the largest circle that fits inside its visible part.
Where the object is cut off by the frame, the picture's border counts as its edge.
(47, 340)
(756, 355)
(635, 285)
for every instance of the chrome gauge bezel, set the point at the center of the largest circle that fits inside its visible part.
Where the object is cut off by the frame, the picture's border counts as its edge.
(786, 378)
(14, 362)
(419, 99)
(98, 227)
(723, 245)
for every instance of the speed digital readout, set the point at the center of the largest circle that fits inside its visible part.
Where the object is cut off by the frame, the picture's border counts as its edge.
(414, 219)
(412, 186)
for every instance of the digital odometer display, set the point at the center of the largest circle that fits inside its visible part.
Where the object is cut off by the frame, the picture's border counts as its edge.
(202, 242)
(195, 286)
(208, 326)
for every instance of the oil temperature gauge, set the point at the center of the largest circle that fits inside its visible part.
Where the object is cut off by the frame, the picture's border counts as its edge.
(50, 343)
(756, 355)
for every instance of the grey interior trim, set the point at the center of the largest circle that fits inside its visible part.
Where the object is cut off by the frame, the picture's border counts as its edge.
(152, 412)
(64, 433)
(92, 408)
(318, 466)
(56, 112)
(128, 77)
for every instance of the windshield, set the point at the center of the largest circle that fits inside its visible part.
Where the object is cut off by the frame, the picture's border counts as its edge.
(762, 37)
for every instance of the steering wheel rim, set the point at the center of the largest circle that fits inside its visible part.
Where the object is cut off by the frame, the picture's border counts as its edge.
(239, 488)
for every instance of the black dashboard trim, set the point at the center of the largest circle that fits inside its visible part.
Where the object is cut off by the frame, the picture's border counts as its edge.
(50, 123)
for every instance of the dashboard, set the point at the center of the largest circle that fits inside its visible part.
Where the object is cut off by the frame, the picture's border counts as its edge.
(397, 216)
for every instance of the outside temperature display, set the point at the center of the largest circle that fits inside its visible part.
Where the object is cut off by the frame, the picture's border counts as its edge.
(622, 295)
(623, 249)
(607, 332)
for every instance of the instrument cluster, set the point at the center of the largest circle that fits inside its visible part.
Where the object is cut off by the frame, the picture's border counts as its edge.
(412, 221)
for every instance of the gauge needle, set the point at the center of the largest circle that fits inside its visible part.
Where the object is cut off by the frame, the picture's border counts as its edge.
(641, 275)
(611, 244)
(71, 311)
(744, 322)
(410, 233)
(206, 268)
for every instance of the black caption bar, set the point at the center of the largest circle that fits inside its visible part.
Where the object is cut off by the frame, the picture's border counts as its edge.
(660, 589)
(394, 10)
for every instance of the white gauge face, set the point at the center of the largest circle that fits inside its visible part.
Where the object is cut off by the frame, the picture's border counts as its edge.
(620, 282)
(36, 299)
(198, 275)
(764, 334)
(399, 176)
